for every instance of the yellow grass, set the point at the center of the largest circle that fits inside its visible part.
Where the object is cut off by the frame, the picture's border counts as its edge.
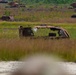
(14, 49)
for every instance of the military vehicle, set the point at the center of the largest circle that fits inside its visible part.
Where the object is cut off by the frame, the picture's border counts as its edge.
(3, 1)
(53, 32)
(13, 4)
(7, 18)
(73, 5)
(73, 16)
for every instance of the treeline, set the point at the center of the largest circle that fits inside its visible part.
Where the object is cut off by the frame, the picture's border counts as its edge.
(46, 1)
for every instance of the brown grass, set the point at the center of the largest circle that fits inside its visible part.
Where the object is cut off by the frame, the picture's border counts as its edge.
(57, 15)
(60, 20)
(14, 49)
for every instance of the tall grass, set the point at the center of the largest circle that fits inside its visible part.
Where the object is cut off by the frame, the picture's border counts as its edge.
(51, 14)
(14, 49)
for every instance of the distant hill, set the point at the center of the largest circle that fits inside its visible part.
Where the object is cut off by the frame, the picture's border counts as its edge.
(46, 1)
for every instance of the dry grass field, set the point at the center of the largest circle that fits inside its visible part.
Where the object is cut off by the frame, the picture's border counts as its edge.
(14, 48)
(40, 14)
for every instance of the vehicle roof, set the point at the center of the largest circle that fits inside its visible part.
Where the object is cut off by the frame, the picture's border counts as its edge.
(55, 28)
(48, 27)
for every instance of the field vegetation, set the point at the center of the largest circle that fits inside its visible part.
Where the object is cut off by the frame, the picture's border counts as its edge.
(45, 1)
(10, 29)
(52, 14)
(43, 15)
(13, 48)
